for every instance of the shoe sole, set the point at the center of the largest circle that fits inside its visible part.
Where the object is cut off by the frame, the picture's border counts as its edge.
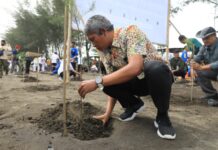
(168, 137)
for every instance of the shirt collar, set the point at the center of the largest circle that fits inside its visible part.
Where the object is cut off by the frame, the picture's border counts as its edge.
(115, 42)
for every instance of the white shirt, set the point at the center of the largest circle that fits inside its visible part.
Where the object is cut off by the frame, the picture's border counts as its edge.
(61, 68)
(54, 58)
(79, 60)
(36, 61)
(42, 60)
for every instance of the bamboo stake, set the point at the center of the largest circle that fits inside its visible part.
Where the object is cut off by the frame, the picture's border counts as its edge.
(69, 39)
(168, 29)
(81, 115)
(64, 71)
(192, 84)
(175, 28)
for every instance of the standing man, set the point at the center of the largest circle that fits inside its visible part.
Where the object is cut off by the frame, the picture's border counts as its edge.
(43, 63)
(14, 61)
(192, 44)
(4, 57)
(134, 69)
(54, 60)
(21, 56)
(206, 64)
(74, 56)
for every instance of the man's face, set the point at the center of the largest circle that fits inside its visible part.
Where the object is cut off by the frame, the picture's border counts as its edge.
(176, 55)
(183, 41)
(101, 42)
(209, 40)
(72, 45)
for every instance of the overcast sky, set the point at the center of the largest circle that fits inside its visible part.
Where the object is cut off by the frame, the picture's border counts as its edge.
(192, 19)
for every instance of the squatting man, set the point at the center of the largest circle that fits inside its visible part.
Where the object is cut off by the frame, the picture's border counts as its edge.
(134, 69)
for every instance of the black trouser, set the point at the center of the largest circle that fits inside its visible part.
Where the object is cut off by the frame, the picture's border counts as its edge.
(74, 67)
(70, 73)
(181, 73)
(28, 63)
(6, 65)
(204, 79)
(53, 66)
(157, 83)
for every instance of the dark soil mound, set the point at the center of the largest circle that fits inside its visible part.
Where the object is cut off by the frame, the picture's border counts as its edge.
(30, 79)
(41, 88)
(79, 123)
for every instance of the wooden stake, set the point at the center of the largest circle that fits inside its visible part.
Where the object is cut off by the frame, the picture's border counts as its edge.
(192, 84)
(69, 40)
(168, 29)
(81, 115)
(175, 27)
(64, 71)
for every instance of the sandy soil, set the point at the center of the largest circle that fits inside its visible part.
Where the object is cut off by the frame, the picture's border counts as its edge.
(21, 102)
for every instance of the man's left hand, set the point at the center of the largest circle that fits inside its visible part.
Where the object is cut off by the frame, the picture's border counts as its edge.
(87, 87)
(197, 66)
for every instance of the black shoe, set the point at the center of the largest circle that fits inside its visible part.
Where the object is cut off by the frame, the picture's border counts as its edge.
(207, 97)
(130, 113)
(212, 102)
(164, 127)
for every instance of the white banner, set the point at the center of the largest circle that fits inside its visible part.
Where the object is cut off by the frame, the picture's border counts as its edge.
(148, 15)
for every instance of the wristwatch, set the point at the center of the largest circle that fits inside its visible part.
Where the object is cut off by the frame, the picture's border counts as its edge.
(99, 81)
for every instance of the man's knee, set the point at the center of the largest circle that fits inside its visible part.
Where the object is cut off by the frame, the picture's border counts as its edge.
(156, 68)
(210, 75)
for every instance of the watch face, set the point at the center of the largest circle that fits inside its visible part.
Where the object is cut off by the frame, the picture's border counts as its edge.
(98, 80)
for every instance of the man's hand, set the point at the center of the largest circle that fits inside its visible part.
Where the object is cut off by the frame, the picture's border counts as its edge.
(86, 87)
(197, 66)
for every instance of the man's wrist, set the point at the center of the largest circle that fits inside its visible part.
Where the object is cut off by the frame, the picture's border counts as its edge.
(99, 82)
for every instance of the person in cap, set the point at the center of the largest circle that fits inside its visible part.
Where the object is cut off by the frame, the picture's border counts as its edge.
(192, 44)
(134, 69)
(178, 66)
(205, 64)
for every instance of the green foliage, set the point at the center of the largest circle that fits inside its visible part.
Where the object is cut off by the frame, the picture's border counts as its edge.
(39, 28)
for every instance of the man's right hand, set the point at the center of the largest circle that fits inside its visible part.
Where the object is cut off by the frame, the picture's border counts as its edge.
(104, 118)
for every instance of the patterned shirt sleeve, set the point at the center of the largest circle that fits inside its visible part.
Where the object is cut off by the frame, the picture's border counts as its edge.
(138, 43)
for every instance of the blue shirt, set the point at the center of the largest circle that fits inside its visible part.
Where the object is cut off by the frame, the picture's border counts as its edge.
(184, 56)
(74, 53)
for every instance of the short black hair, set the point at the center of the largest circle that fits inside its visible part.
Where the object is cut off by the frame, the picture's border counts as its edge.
(182, 37)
